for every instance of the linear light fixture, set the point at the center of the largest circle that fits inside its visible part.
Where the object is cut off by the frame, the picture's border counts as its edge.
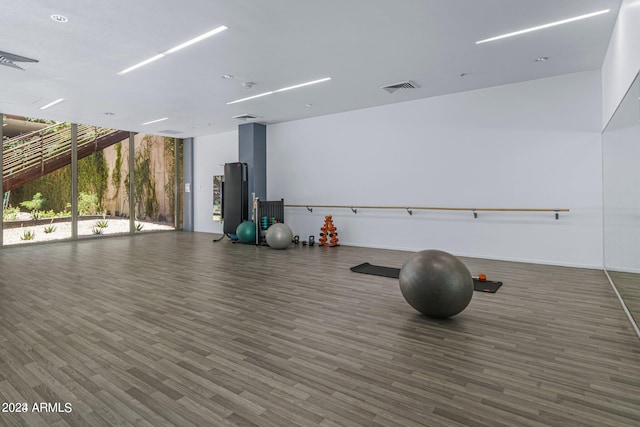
(541, 27)
(155, 121)
(175, 49)
(51, 104)
(280, 90)
(140, 64)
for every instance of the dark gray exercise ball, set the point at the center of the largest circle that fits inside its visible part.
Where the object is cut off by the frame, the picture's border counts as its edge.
(279, 236)
(436, 283)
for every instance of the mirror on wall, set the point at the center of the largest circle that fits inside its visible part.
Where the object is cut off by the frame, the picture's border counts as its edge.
(621, 199)
(217, 197)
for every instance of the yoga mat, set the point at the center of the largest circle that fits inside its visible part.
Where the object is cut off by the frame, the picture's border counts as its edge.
(393, 273)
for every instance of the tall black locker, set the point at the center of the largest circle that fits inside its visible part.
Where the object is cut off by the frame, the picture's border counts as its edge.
(235, 197)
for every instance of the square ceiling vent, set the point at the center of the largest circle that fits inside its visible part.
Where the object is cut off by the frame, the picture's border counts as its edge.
(246, 117)
(406, 85)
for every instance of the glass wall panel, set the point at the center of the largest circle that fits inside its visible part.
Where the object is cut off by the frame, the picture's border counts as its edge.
(103, 164)
(154, 183)
(37, 180)
(621, 198)
(37, 175)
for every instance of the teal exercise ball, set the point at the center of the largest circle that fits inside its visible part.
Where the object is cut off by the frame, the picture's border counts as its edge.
(246, 232)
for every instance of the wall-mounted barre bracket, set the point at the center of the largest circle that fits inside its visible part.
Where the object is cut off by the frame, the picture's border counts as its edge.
(354, 210)
(409, 211)
(475, 213)
(309, 209)
(557, 213)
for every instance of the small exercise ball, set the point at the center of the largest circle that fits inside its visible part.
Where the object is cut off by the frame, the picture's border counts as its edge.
(436, 283)
(279, 236)
(246, 232)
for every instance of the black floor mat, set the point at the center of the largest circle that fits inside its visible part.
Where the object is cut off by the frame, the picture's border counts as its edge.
(486, 285)
(394, 273)
(377, 270)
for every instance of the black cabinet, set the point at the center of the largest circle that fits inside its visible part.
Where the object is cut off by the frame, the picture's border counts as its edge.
(235, 197)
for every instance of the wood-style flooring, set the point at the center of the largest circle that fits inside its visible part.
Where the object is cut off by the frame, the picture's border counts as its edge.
(173, 329)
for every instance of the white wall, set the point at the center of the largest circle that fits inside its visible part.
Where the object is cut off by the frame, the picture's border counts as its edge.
(532, 144)
(210, 154)
(622, 61)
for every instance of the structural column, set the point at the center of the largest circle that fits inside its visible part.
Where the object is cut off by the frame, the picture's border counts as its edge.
(176, 184)
(252, 150)
(132, 183)
(187, 177)
(74, 181)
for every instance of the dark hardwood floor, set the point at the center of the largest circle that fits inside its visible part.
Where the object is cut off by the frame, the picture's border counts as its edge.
(173, 329)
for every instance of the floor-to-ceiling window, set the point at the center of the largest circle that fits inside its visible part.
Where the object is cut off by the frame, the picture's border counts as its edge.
(154, 183)
(37, 180)
(103, 159)
(38, 176)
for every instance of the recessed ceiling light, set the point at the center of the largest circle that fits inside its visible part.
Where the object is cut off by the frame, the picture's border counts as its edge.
(281, 90)
(227, 77)
(175, 49)
(59, 18)
(109, 113)
(542, 59)
(541, 27)
(155, 121)
(309, 105)
(51, 104)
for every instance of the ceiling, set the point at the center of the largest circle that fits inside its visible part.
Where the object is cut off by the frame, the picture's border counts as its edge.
(361, 44)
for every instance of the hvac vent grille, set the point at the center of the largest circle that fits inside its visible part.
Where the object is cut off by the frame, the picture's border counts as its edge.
(246, 117)
(401, 85)
(10, 59)
(170, 132)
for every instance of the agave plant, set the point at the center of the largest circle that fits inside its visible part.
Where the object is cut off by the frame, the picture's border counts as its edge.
(28, 235)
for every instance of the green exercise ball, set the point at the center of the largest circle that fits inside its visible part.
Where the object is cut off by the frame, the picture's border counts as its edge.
(246, 232)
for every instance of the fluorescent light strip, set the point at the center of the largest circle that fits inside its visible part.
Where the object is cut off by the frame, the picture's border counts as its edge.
(155, 121)
(51, 104)
(302, 85)
(250, 97)
(197, 39)
(541, 27)
(140, 64)
(280, 90)
(175, 49)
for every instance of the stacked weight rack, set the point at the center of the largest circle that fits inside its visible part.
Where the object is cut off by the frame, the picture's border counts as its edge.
(266, 214)
(328, 233)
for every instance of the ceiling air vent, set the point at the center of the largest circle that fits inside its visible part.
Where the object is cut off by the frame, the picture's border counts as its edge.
(170, 132)
(10, 59)
(246, 117)
(402, 85)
